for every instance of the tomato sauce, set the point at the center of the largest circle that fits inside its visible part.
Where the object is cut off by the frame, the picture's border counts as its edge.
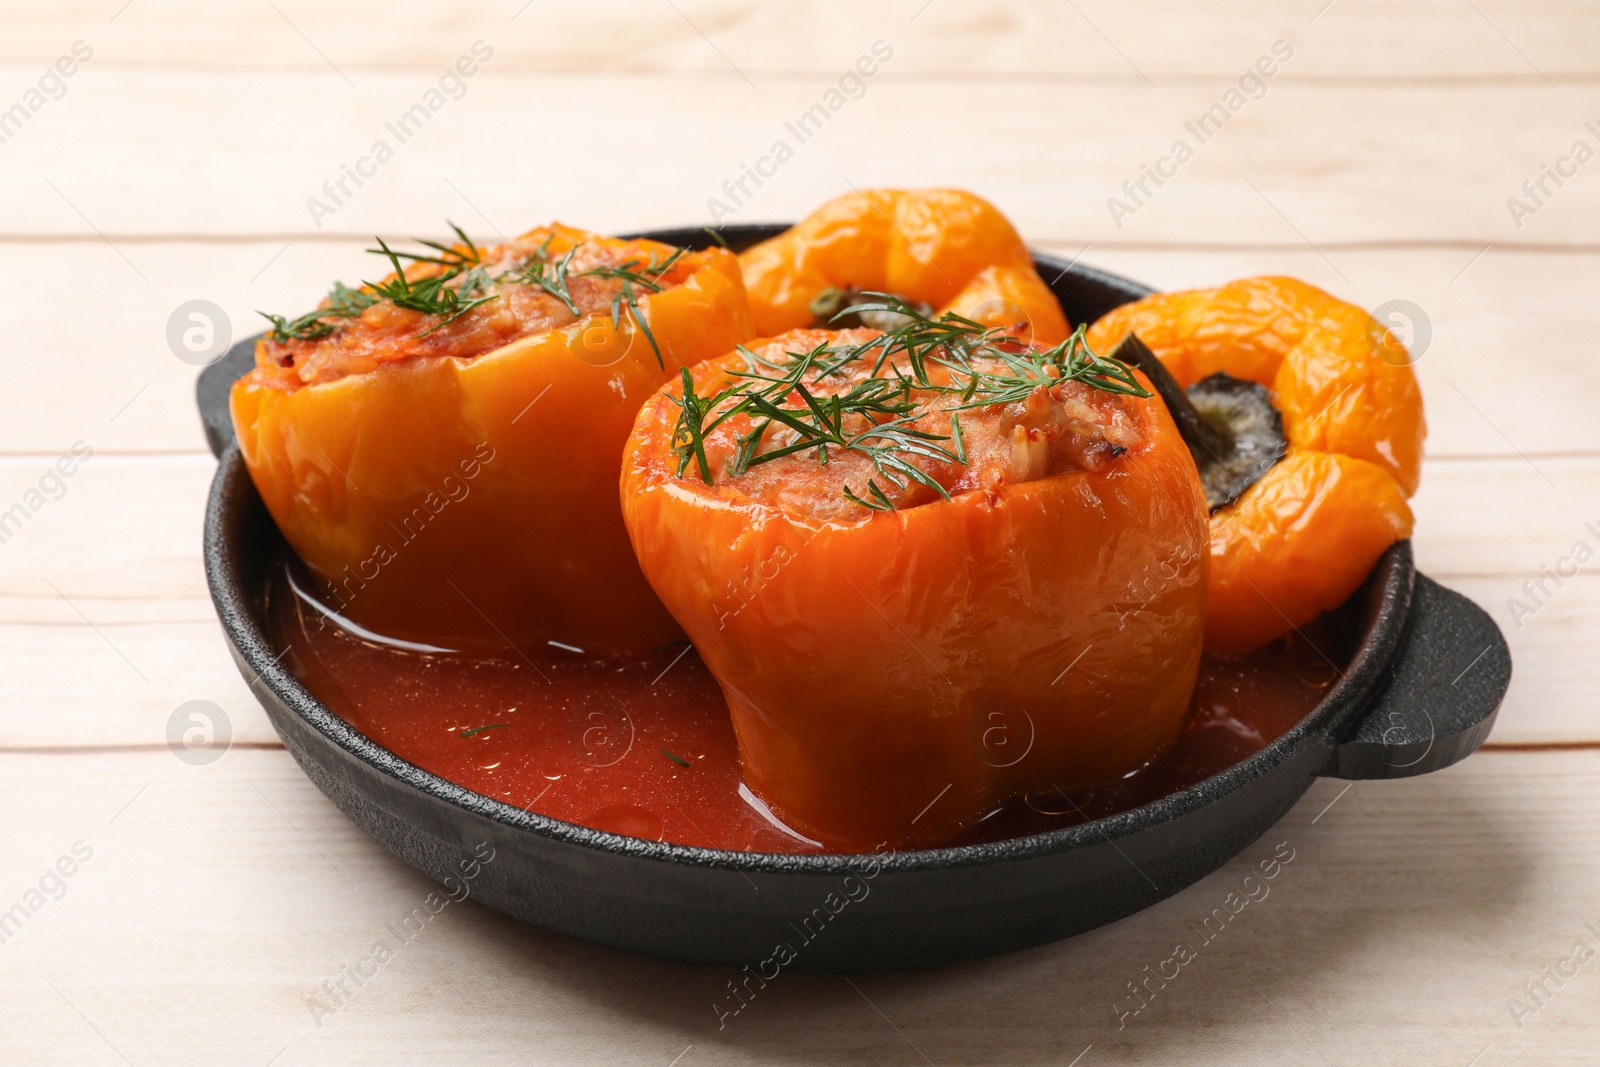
(644, 746)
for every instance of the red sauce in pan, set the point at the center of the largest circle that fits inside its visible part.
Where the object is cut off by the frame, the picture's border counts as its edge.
(644, 747)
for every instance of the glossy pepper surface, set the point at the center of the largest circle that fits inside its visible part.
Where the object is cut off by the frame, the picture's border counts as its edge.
(892, 675)
(1303, 537)
(451, 478)
(944, 248)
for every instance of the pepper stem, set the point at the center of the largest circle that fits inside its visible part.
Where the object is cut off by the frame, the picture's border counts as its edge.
(1233, 431)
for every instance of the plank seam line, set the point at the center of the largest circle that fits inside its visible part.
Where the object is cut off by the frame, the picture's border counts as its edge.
(101, 750)
(1173, 80)
(1416, 244)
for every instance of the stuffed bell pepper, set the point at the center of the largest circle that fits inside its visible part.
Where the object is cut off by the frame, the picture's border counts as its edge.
(935, 249)
(1308, 517)
(903, 556)
(441, 447)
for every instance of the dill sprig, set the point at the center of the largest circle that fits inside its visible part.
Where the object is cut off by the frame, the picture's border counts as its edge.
(545, 273)
(878, 415)
(955, 342)
(433, 295)
(885, 410)
(463, 282)
(456, 258)
(342, 303)
(647, 276)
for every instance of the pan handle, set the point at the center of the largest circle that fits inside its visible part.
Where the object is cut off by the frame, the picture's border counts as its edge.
(1444, 690)
(211, 392)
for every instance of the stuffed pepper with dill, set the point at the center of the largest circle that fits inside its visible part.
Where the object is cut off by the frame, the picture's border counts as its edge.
(905, 557)
(441, 447)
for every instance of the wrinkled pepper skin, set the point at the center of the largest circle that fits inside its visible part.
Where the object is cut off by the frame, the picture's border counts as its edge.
(892, 679)
(942, 247)
(1015, 299)
(470, 502)
(1303, 538)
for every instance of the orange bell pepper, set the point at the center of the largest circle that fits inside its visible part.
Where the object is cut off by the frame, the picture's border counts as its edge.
(1303, 538)
(449, 469)
(893, 675)
(941, 247)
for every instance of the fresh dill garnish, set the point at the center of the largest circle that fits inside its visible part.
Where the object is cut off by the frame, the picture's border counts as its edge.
(342, 303)
(716, 235)
(675, 759)
(463, 282)
(878, 415)
(647, 276)
(476, 730)
(546, 273)
(433, 295)
(453, 258)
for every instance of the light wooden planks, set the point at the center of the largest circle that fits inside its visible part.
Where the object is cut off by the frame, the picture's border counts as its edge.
(148, 152)
(1093, 39)
(222, 897)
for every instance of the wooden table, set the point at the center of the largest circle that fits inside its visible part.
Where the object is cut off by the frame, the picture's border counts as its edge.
(206, 904)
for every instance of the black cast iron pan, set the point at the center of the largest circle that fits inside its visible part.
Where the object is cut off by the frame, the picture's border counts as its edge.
(1420, 693)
